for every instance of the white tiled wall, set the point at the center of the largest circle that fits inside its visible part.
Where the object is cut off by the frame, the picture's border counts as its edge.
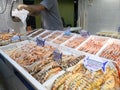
(102, 15)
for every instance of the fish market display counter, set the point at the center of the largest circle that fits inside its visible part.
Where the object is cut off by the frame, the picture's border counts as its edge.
(48, 60)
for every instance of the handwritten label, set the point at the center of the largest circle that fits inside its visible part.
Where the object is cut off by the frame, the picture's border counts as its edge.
(40, 41)
(15, 38)
(57, 55)
(94, 63)
(84, 33)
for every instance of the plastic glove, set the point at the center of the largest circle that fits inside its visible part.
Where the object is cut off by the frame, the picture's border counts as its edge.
(22, 6)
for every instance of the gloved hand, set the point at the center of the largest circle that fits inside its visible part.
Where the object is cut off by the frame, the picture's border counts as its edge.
(22, 6)
(26, 7)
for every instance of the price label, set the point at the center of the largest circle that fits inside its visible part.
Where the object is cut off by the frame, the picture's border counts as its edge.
(57, 55)
(67, 32)
(84, 33)
(94, 63)
(40, 41)
(15, 38)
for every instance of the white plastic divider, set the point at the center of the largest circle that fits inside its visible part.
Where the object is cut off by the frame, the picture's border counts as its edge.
(43, 33)
(33, 33)
(30, 33)
(53, 33)
(61, 36)
(24, 73)
(74, 36)
(82, 44)
(49, 34)
(57, 37)
(106, 44)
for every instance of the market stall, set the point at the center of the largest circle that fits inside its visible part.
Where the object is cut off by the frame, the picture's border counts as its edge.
(47, 64)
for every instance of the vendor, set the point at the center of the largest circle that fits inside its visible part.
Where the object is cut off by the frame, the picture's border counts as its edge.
(48, 9)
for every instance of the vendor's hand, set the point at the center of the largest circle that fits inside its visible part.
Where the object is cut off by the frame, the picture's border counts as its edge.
(21, 6)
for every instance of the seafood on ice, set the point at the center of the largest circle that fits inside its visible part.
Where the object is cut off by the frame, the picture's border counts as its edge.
(82, 79)
(62, 39)
(45, 34)
(53, 36)
(93, 45)
(74, 43)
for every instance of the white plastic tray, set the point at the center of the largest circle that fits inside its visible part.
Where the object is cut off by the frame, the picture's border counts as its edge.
(93, 36)
(74, 37)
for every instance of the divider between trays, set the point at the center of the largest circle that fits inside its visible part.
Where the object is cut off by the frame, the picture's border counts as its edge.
(33, 33)
(41, 33)
(52, 34)
(104, 46)
(82, 44)
(74, 36)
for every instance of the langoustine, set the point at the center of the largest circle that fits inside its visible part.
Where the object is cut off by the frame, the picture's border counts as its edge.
(75, 42)
(93, 45)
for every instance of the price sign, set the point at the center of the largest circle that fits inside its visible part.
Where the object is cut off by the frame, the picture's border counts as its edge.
(57, 55)
(15, 38)
(67, 32)
(84, 33)
(40, 41)
(94, 63)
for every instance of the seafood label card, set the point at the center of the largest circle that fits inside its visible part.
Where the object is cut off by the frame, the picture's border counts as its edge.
(84, 33)
(57, 55)
(15, 38)
(94, 63)
(40, 41)
(67, 32)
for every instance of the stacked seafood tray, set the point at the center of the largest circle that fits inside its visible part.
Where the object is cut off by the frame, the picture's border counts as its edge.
(7, 38)
(69, 73)
(109, 34)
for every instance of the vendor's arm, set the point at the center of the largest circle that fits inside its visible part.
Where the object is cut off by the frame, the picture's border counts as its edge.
(33, 9)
